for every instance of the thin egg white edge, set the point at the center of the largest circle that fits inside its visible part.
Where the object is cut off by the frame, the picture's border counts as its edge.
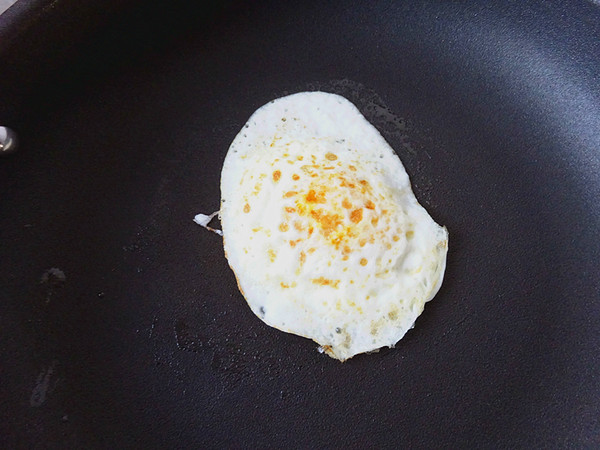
(264, 123)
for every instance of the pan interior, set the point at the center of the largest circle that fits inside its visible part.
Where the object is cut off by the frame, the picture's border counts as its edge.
(145, 340)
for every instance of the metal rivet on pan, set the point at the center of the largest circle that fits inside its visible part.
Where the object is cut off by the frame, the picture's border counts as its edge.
(8, 141)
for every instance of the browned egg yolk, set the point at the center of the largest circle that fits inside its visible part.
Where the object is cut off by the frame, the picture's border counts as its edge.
(339, 206)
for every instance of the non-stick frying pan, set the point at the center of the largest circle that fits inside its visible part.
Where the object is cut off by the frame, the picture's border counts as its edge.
(121, 323)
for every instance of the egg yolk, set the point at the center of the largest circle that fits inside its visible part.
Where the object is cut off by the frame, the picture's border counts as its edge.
(338, 205)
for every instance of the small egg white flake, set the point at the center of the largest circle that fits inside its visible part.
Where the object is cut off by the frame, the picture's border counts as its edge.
(203, 220)
(322, 229)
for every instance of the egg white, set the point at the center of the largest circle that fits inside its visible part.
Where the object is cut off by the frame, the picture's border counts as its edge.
(322, 229)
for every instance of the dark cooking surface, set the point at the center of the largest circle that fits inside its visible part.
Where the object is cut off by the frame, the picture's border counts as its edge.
(147, 341)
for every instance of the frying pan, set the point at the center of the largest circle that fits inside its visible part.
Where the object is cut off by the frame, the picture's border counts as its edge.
(121, 323)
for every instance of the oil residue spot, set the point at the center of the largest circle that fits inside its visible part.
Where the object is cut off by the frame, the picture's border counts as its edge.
(43, 386)
(51, 281)
(234, 354)
(53, 275)
(153, 326)
(373, 108)
(185, 339)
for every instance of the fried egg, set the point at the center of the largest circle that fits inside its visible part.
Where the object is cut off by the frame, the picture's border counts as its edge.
(322, 229)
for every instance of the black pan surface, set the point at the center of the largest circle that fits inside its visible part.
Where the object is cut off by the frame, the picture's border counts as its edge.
(494, 108)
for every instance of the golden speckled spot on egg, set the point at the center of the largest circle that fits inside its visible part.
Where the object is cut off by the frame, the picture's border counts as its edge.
(316, 197)
(356, 215)
(410, 234)
(326, 282)
(323, 203)
(395, 238)
(347, 340)
(330, 156)
(276, 176)
(345, 183)
(328, 222)
(289, 194)
(246, 208)
(295, 177)
(283, 227)
(289, 209)
(272, 255)
(275, 139)
(363, 261)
